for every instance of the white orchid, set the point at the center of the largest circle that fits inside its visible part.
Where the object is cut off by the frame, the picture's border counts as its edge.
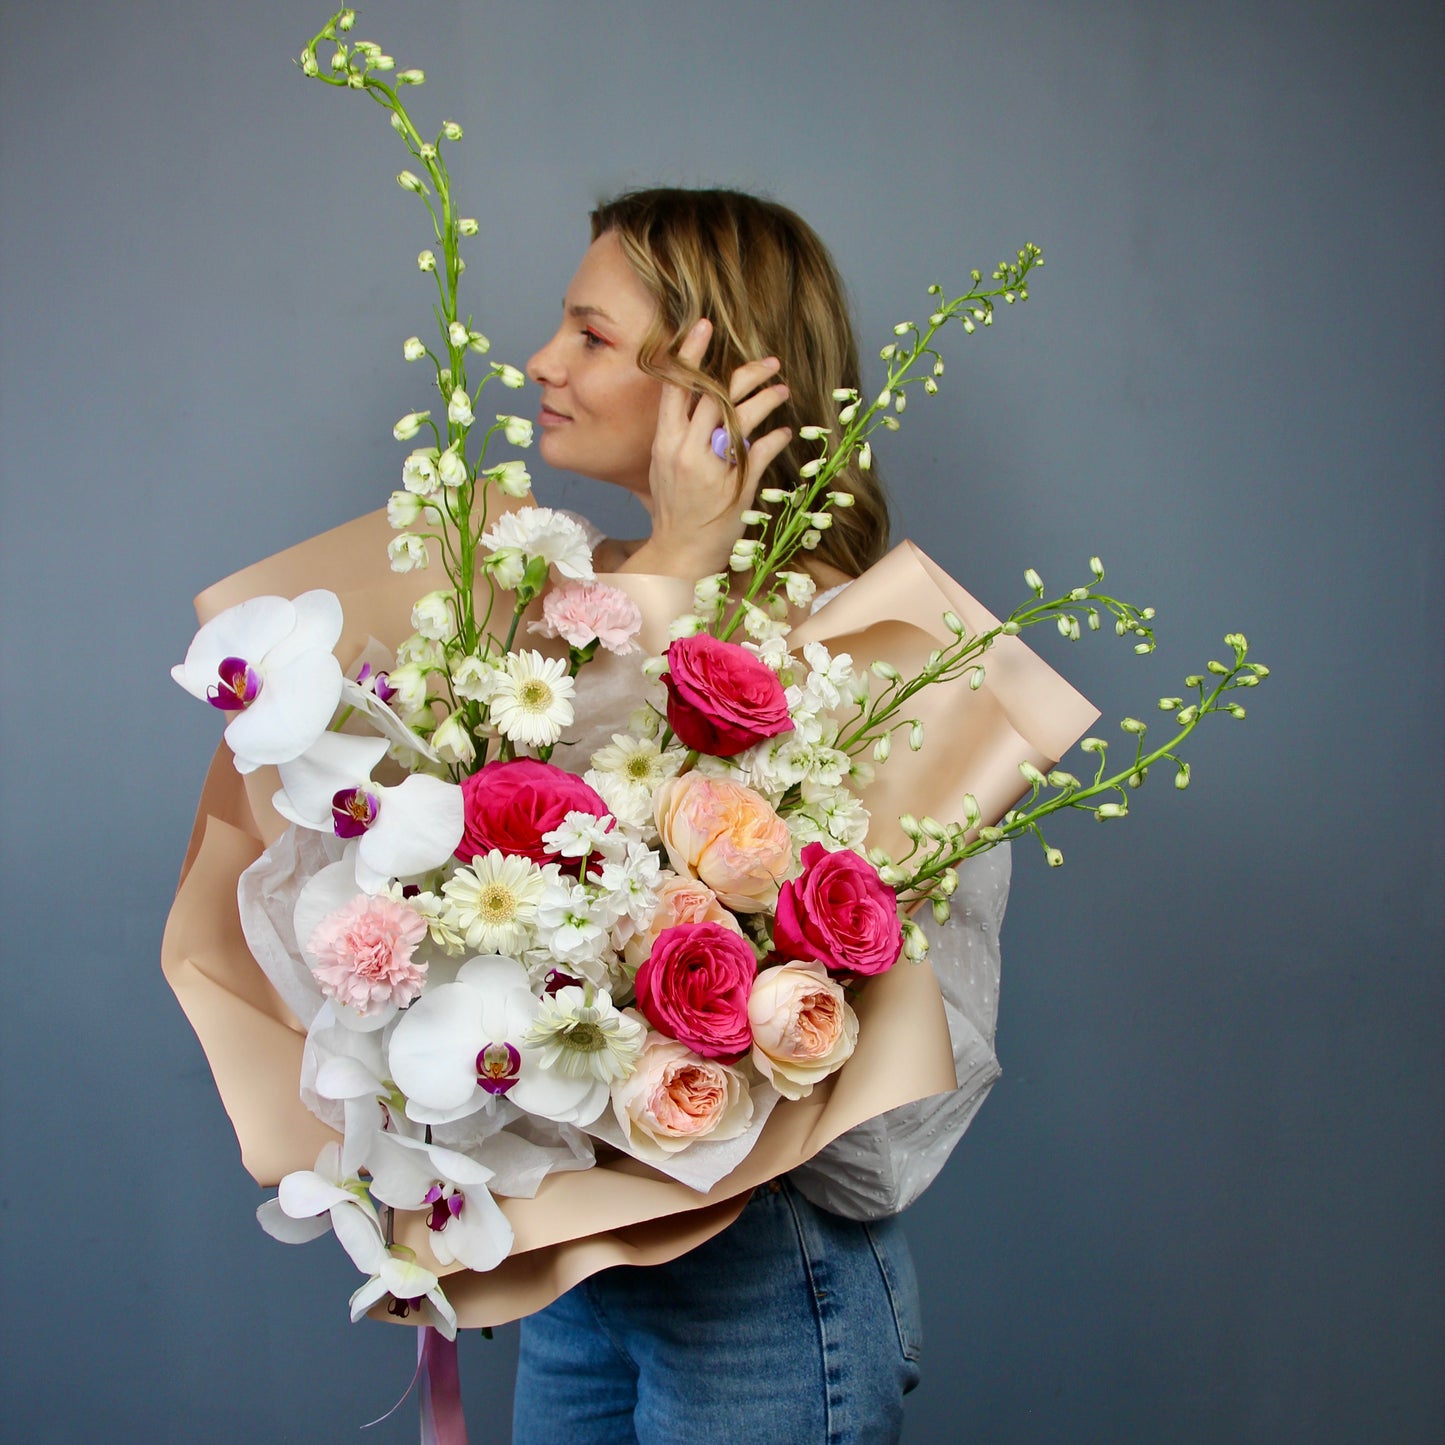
(467, 1227)
(295, 1215)
(410, 1286)
(462, 1044)
(269, 661)
(401, 831)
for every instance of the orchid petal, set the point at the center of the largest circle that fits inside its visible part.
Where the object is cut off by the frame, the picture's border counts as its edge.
(432, 1054)
(249, 630)
(554, 1096)
(343, 1078)
(317, 627)
(368, 1294)
(418, 827)
(480, 1237)
(280, 1225)
(385, 720)
(309, 782)
(359, 1231)
(305, 1193)
(292, 710)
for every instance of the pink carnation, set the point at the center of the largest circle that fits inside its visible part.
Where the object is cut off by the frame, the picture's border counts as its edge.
(588, 612)
(364, 952)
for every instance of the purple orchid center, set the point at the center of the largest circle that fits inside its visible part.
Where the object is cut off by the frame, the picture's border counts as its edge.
(401, 1308)
(498, 1067)
(380, 682)
(444, 1207)
(238, 686)
(556, 981)
(353, 811)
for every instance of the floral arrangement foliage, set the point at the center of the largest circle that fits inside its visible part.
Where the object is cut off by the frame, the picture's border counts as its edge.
(503, 964)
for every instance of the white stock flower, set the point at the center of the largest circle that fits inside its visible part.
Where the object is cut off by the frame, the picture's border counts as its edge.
(531, 701)
(452, 743)
(512, 478)
(475, 678)
(403, 508)
(434, 616)
(451, 468)
(493, 903)
(542, 532)
(566, 921)
(419, 472)
(578, 835)
(517, 430)
(459, 408)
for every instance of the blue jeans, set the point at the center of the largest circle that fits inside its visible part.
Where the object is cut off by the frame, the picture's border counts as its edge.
(791, 1327)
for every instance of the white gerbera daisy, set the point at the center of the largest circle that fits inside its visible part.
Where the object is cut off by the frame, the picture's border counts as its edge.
(579, 1033)
(532, 699)
(633, 769)
(493, 904)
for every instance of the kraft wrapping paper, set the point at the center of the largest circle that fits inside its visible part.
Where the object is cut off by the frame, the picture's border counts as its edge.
(621, 1211)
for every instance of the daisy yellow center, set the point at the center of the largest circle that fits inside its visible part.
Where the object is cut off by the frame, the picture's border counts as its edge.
(497, 903)
(585, 1037)
(639, 767)
(535, 694)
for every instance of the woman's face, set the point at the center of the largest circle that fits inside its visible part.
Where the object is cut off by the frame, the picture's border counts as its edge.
(599, 410)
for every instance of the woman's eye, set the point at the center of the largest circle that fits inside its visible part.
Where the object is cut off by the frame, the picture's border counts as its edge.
(591, 340)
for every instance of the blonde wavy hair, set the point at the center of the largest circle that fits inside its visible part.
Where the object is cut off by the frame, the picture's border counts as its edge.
(760, 274)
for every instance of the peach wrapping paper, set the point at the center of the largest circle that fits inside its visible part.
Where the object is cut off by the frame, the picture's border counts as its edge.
(621, 1211)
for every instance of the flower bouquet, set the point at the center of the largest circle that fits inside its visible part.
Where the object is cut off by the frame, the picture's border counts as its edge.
(569, 909)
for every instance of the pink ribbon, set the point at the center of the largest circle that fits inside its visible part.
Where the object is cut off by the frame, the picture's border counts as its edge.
(442, 1421)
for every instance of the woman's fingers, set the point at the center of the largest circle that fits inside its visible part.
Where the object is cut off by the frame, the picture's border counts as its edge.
(672, 411)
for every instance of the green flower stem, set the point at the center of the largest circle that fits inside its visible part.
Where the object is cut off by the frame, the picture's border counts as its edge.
(788, 527)
(921, 882)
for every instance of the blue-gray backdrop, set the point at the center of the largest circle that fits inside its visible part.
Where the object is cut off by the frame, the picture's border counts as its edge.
(1206, 1200)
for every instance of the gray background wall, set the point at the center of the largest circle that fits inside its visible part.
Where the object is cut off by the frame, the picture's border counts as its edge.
(1205, 1202)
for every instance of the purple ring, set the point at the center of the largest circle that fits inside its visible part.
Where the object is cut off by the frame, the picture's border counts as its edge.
(722, 450)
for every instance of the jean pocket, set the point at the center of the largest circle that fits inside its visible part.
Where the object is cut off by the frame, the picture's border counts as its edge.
(895, 1264)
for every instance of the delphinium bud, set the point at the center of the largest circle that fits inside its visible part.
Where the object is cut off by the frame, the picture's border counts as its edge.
(467, 226)
(451, 130)
(413, 349)
(426, 261)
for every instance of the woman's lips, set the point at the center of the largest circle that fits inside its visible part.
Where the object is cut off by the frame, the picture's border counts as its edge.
(548, 417)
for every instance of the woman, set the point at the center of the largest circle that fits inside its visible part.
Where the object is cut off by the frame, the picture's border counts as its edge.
(701, 331)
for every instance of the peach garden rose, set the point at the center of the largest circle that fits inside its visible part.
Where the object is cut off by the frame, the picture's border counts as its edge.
(803, 1028)
(674, 1098)
(727, 836)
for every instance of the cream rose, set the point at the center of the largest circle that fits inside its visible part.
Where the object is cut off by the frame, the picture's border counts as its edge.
(727, 836)
(803, 1027)
(674, 1098)
(679, 900)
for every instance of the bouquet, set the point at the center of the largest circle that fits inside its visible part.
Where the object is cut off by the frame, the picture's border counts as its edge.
(585, 905)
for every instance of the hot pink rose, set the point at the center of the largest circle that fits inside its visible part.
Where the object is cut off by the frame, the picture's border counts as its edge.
(720, 698)
(511, 805)
(363, 954)
(695, 986)
(840, 912)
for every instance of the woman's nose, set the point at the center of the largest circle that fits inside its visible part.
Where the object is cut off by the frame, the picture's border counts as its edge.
(543, 366)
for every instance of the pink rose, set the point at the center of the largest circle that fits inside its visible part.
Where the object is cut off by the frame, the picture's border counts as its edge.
(726, 835)
(511, 805)
(803, 1029)
(583, 613)
(673, 1098)
(720, 698)
(695, 985)
(679, 900)
(363, 951)
(840, 912)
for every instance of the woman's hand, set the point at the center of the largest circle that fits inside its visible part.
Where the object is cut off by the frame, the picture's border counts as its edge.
(697, 504)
